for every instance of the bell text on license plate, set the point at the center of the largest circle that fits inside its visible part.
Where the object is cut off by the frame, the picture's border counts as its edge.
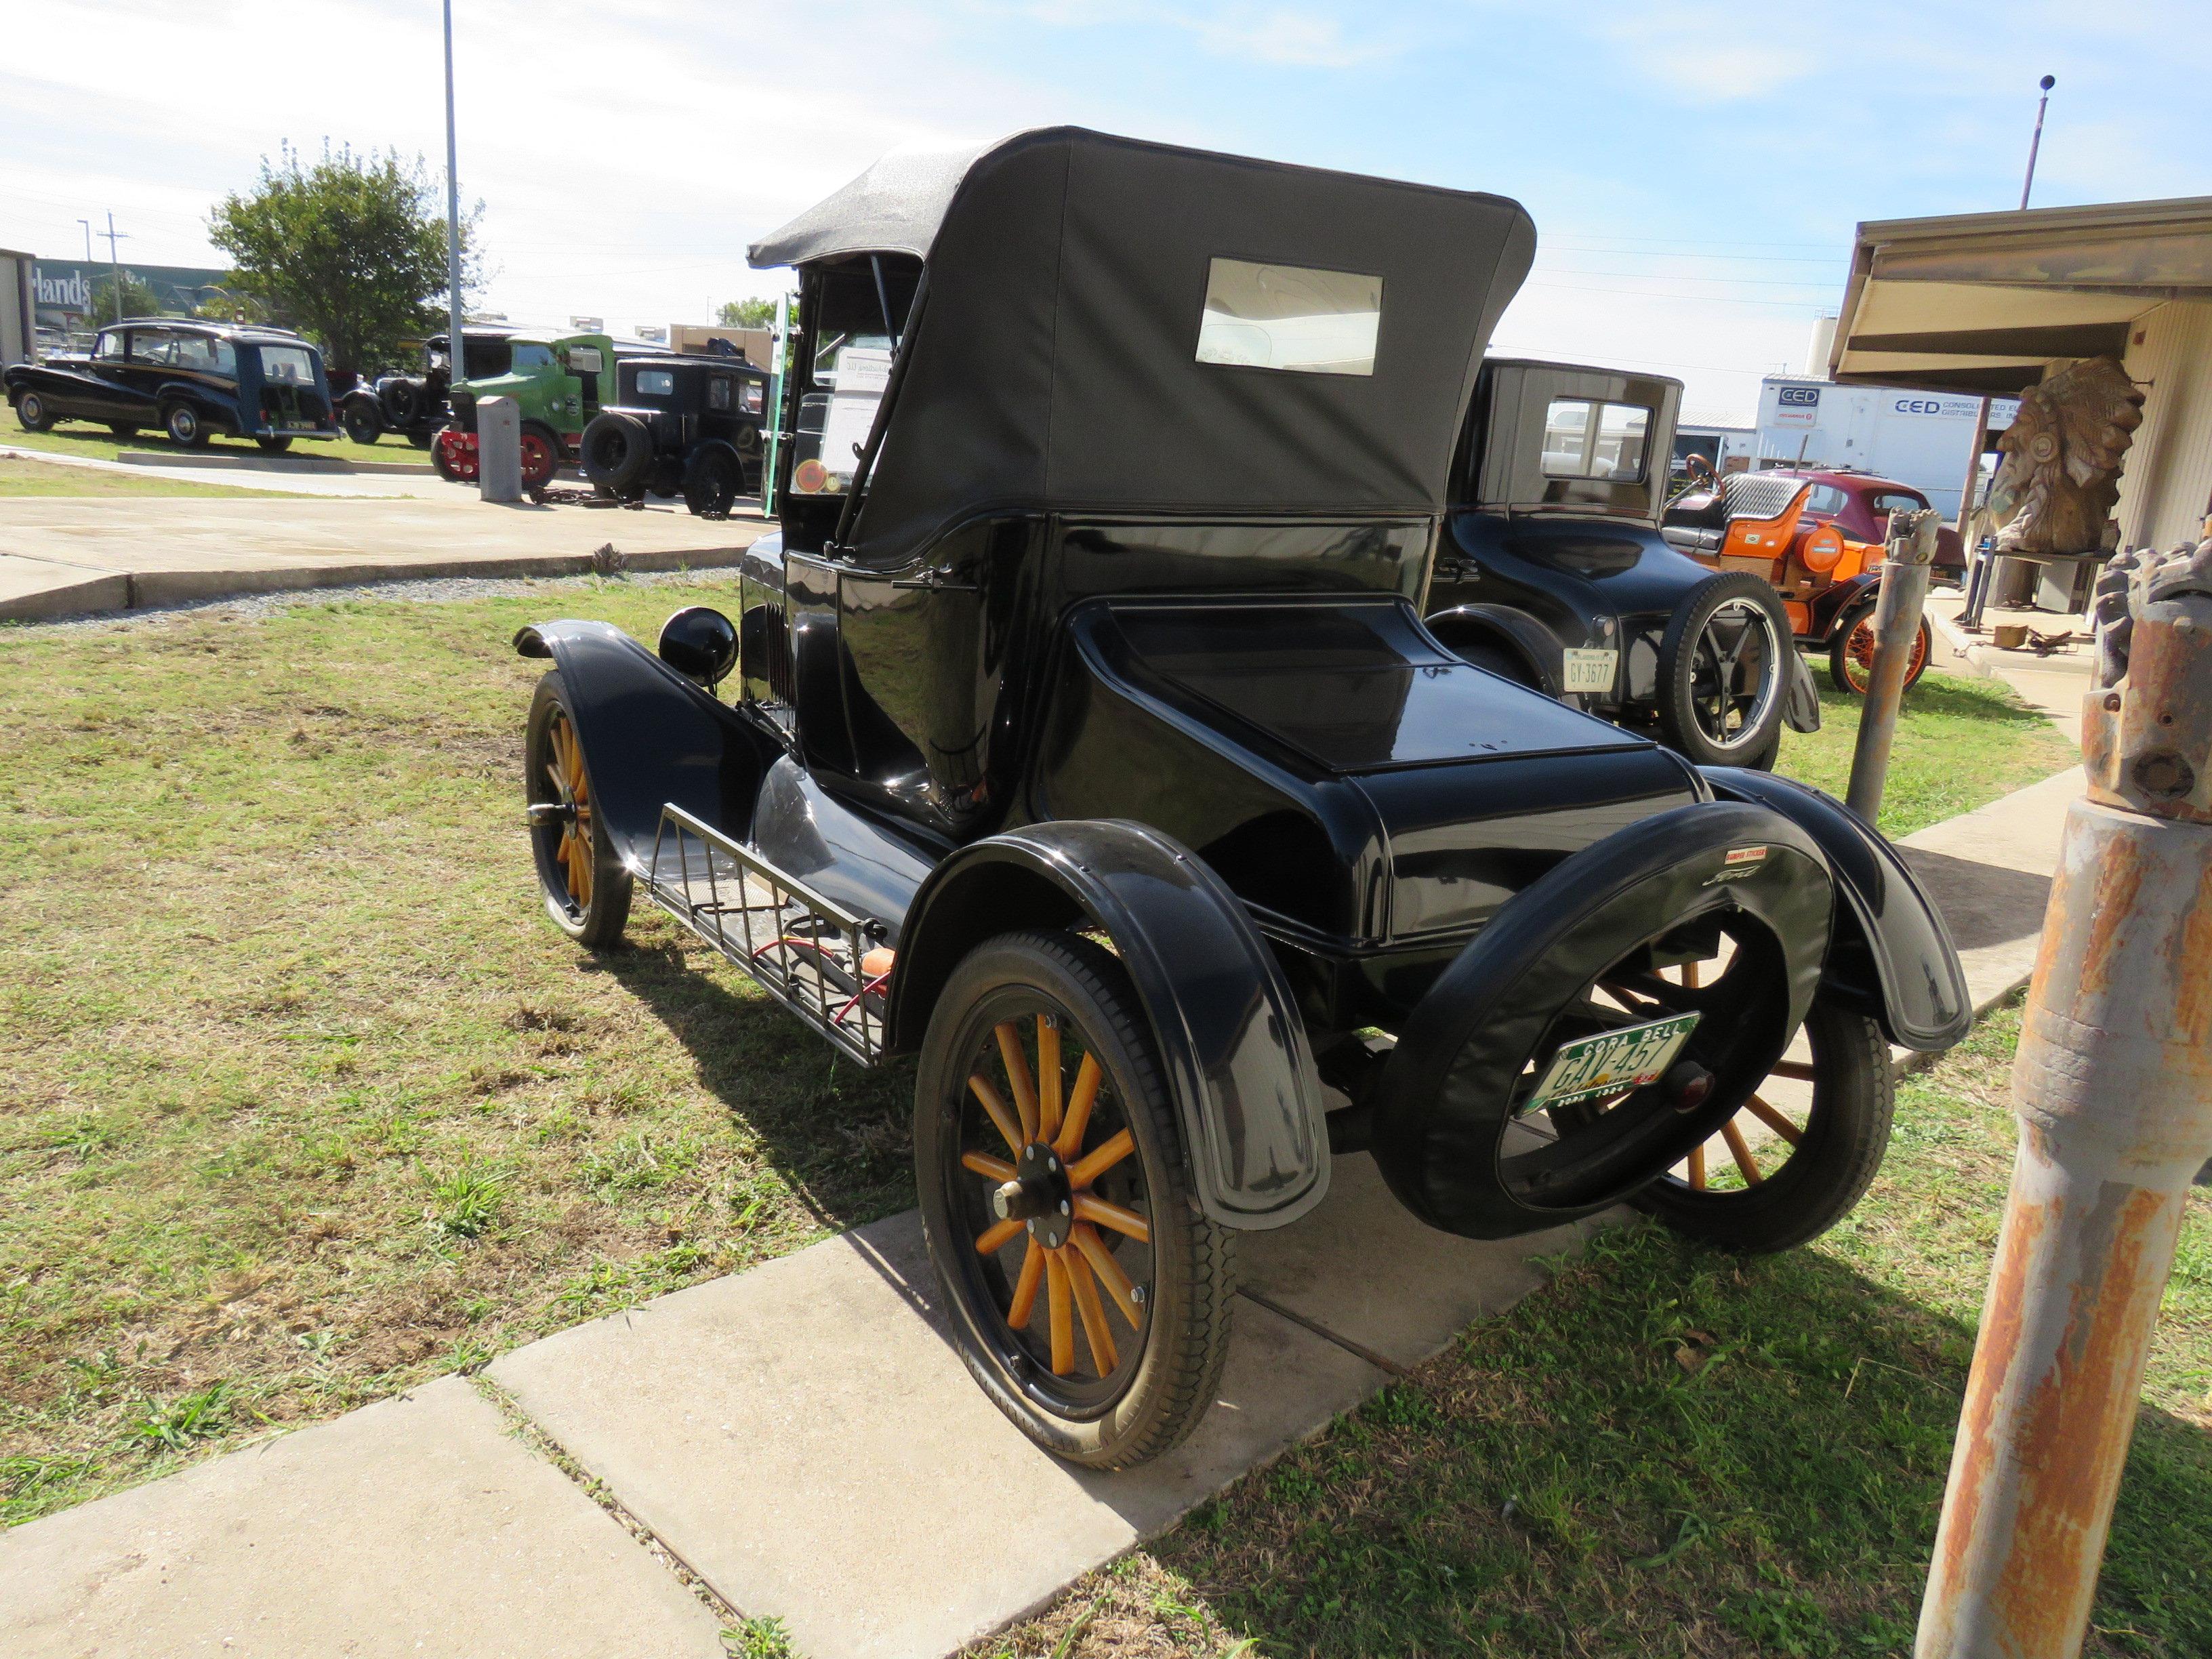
(1611, 1062)
(1589, 671)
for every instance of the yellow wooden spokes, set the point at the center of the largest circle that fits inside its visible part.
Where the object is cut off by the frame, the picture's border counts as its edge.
(991, 1169)
(997, 1236)
(1058, 1296)
(1017, 1077)
(1698, 1167)
(1088, 1077)
(1127, 1222)
(1087, 1169)
(1025, 1287)
(997, 1109)
(1101, 1341)
(1774, 1121)
(1086, 1238)
(1048, 1078)
(1740, 1150)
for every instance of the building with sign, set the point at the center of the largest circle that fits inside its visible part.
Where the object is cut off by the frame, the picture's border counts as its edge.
(18, 326)
(62, 291)
(1916, 438)
(1995, 302)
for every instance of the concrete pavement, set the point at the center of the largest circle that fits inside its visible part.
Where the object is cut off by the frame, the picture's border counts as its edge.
(802, 1436)
(63, 555)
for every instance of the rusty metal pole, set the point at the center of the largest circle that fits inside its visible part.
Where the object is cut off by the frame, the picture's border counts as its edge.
(2113, 1089)
(1896, 625)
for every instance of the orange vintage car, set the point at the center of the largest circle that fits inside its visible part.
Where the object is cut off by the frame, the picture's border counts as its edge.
(1816, 534)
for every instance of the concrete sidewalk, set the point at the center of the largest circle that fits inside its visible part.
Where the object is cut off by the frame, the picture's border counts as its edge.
(69, 556)
(802, 1437)
(291, 476)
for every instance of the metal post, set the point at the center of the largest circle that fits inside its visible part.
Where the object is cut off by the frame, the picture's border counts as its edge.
(114, 264)
(456, 358)
(779, 357)
(1896, 626)
(499, 449)
(2113, 1090)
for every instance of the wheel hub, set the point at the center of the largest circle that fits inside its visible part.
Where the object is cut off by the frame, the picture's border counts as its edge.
(1040, 1195)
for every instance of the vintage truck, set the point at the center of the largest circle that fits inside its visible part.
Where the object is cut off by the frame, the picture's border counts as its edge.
(558, 383)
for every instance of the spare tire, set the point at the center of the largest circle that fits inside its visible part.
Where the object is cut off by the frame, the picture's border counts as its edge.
(401, 399)
(617, 450)
(1455, 1105)
(1723, 670)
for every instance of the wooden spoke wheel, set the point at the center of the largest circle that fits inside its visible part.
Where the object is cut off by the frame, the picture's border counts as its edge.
(1851, 657)
(1801, 1150)
(1090, 1298)
(586, 888)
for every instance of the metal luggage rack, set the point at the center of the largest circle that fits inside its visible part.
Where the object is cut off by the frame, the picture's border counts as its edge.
(808, 954)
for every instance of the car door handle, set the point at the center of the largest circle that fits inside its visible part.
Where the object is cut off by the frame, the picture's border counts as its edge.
(936, 581)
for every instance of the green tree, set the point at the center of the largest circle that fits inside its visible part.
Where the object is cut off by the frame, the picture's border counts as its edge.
(747, 313)
(139, 300)
(352, 248)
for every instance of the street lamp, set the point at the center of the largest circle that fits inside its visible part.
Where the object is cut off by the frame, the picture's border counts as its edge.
(457, 362)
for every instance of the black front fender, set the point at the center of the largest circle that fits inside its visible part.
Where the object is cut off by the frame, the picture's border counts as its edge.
(1890, 954)
(1235, 1051)
(650, 735)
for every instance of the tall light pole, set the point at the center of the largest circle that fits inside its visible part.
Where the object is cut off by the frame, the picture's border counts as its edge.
(456, 359)
(1970, 619)
(115, 264)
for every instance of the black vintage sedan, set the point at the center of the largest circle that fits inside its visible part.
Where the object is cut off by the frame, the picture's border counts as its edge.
(1552, 571)
(190, 378)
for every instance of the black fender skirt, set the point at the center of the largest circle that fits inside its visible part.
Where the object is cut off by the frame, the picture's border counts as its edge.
(650, 735)
(1444, 1100)
(1234, 1049)
(1893, 959)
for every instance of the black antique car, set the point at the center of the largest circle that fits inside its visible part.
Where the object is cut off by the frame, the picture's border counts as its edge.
(1554, 570)
(1091, 747)
(687, 424)
(413, 406)
(189, 379)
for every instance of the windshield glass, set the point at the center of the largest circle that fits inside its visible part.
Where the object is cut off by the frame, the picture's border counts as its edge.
(533, 356)
(834, 346)
(656, 383)
(206, 355)
(287, 365)
(1586, 439)
(1883, 503)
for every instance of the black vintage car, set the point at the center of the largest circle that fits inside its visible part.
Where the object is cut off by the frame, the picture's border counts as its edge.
(1555, 571)
(413, 406)
(189, 379)
(1091, 748)
(681, 424)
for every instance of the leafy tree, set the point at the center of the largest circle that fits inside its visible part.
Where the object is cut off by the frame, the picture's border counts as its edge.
(747, 313)
(139, 300)
(352, 248)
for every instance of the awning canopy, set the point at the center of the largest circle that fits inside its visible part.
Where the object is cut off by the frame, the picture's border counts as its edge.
(1980, 301)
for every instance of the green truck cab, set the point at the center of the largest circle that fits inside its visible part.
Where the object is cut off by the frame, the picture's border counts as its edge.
(558, 383)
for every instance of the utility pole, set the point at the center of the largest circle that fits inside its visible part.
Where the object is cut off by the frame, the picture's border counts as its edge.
(1978, 583)
(114, 266)
(456, 358)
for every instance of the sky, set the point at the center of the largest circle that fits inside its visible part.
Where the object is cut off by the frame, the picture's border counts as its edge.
(1695, 171)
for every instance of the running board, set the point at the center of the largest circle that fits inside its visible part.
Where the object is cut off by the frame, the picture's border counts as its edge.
(799, 947)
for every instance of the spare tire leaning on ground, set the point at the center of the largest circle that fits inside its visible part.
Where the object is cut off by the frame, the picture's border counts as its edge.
(617, 451)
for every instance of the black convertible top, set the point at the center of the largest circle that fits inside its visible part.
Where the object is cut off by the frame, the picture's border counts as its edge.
(1053, 360)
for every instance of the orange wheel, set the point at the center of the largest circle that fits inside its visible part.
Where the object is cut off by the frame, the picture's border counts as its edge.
(1851, 655)
(586, 887)
(1091, 1299)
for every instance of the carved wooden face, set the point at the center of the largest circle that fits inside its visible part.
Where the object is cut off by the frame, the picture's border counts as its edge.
(2063, 452)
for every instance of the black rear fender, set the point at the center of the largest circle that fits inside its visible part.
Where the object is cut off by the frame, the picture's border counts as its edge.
(1235, 1052)
(1516, 633)
(1891, 956)
(650, 737)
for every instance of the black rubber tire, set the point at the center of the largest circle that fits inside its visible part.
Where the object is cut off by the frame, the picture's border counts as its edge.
(402, 401)
(438, 459)
(1764, 760)
(1175, 1377)
(1678, 722)
(1846, 1136)
(182, 425)
(361, 423)
(273, 446)
(711, 483)
(617, 451)
(32, 413)
(122, 429)
(598, 923)
(1840, 652)
(420, 440)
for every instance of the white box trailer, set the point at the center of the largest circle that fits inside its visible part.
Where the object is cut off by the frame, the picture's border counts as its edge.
(1917, 438)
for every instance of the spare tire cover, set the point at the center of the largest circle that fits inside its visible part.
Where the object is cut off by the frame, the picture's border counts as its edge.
(1445, 1097)
(616, 450)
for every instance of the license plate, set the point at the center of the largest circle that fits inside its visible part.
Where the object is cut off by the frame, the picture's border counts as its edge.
(1612, 1063)
(1590, 671)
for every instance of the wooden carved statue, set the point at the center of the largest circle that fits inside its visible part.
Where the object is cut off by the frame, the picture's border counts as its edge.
(2060, 473)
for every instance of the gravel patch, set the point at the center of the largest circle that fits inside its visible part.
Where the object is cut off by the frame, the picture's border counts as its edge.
(445, 590)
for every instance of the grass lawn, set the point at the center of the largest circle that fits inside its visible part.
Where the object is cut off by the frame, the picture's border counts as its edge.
(24, 478)
(80, 438)
(306, 1101)
(1668, 1451)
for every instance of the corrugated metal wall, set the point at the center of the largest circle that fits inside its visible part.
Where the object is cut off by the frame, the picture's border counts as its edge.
(2166, 487)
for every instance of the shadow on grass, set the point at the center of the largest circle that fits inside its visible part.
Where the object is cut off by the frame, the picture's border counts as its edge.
(1666, 1451)
(837, 1134)
(1982, 702)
